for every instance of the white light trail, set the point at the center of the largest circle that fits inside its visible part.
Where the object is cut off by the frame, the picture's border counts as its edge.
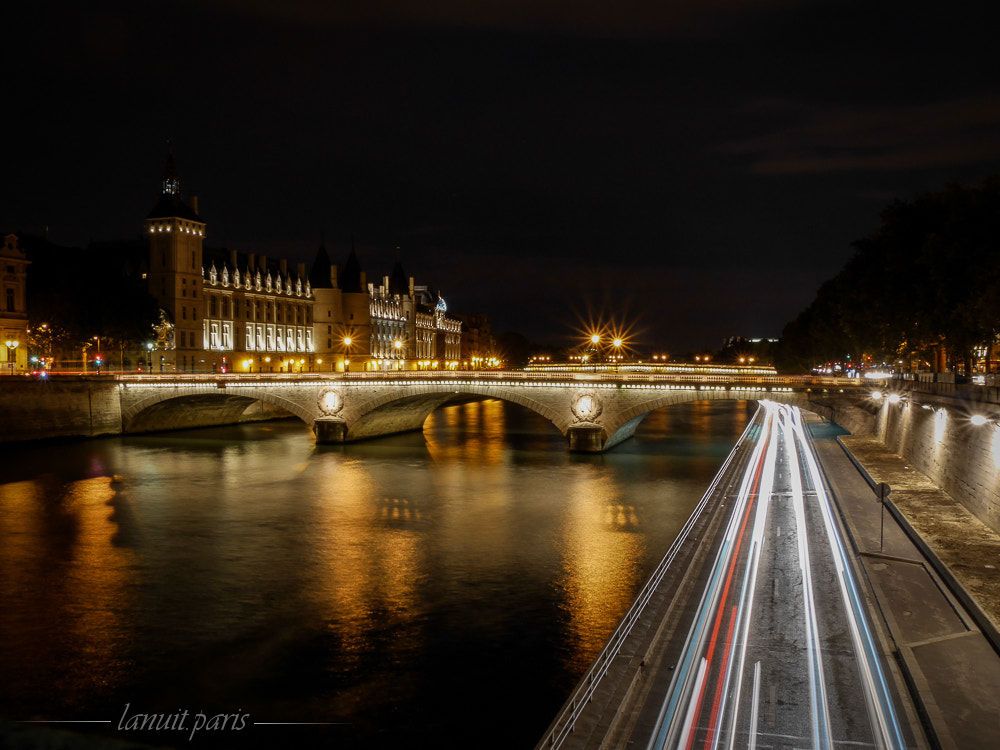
(817, 683)
(885, 724)
(750, 580)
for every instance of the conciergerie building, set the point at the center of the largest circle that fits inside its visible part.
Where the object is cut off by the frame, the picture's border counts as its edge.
(228, 310)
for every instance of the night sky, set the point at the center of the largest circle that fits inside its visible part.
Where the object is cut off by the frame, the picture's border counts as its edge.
(693, 168)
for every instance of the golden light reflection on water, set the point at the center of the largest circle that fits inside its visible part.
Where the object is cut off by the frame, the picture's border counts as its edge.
(351, 577)
(484, 426)
(59, 554)
(370, 555)
(602, 558)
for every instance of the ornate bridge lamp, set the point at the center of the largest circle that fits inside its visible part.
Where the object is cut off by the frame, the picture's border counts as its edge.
(595, 348)
(347, 341)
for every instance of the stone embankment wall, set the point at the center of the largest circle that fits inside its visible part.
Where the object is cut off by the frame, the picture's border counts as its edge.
(58, 407)
(857, 417)
(66, 407)
(941, 441)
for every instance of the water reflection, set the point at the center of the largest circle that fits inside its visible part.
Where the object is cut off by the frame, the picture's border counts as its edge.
(602, 559)
(61, 551)
(418, 587)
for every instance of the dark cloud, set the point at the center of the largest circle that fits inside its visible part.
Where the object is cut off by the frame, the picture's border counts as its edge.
(698, 166)
(845, 138)
(637, 18)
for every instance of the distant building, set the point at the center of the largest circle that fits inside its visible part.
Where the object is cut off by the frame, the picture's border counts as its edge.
(13, 307)
(229, 310)
(478, 343)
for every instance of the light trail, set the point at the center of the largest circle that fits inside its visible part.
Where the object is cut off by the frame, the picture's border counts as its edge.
(878, 697)
(817, 683)
(706, 699)
(672, 725)
(750, 580)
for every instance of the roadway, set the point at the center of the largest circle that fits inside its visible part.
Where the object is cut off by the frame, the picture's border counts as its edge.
(780, 653)
(762, 639)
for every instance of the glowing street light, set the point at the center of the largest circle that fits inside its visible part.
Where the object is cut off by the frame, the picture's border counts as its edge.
(978, 420)
(876, 395)
(12, 345)
(895, 398)
(595, 338)
(617, 343)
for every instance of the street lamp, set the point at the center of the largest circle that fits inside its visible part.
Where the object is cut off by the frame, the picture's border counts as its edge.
(617, 344)
(12, 345)
(347, 341)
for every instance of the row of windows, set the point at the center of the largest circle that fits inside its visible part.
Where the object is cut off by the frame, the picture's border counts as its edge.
(182, 227)
(264, 311)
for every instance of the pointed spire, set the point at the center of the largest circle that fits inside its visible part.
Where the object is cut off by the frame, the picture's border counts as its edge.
(319, 274)
(398, 283)
(350, 279)
(171, 183)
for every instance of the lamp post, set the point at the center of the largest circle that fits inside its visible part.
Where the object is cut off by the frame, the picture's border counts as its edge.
(347, 341)
(617, 344)
(595, 343)
(12, 345)
(398, 346)
(98, 359)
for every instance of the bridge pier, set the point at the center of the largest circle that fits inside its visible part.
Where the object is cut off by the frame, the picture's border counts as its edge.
(585, 439)
(330, 430)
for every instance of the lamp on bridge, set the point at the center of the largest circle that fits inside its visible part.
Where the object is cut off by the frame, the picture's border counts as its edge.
(347, 341)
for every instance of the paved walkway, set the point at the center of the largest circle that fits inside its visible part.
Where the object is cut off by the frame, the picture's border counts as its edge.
(947, 660)
(969, 548)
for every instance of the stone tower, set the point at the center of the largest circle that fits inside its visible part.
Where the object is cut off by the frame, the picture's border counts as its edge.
(176, 233)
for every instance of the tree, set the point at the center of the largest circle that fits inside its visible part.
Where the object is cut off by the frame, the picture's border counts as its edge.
(928, 277)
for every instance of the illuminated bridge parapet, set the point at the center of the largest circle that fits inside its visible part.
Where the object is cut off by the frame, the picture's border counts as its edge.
(594, 411)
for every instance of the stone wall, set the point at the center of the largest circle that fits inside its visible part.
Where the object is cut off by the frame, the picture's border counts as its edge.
(67, 407)
(856, 416)
(959, 457)
(63, 407)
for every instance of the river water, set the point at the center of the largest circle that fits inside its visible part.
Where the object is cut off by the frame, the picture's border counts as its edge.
(444, 589)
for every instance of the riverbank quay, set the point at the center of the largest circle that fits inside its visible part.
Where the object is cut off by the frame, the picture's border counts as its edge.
(927, 560)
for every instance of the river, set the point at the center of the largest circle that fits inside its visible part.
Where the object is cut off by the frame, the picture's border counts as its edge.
(444, 589)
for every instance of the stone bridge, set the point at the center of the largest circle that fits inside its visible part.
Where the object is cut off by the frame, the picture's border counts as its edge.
(594, 411)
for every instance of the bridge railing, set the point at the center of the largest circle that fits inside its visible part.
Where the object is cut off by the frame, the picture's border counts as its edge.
(499, 376)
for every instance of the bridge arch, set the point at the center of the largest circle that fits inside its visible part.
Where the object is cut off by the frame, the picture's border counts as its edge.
(154, 409)
(624, 422)
(387, 412)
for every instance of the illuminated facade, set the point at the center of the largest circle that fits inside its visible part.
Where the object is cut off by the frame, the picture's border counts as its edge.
(228, 310)
(13, 307)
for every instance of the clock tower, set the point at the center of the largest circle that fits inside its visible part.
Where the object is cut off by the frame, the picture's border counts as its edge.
(175, 233)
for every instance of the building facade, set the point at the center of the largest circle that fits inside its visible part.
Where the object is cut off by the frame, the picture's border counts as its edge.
(224, 310)
(13, 307)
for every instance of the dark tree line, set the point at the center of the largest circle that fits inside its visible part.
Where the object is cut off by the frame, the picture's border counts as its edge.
(923, 288)
(80, 293)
